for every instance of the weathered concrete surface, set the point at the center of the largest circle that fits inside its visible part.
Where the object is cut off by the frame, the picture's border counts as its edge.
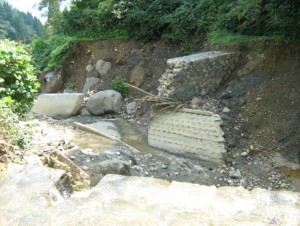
(62, 105)
(197, 74)
(28, 197)
(191, 133)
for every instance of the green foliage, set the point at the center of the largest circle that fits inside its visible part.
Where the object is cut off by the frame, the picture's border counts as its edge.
(184, 22)
(18, 25)
(17, 80)
(51, 53)
(54, 17)
(118, 85)
(70, 86)
(11, 130)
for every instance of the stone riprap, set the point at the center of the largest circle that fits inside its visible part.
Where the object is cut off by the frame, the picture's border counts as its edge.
(62, 105)
(196, 75)
(28, 197)
(190, 133)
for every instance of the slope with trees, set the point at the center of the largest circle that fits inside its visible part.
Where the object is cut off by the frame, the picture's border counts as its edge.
(17, 25)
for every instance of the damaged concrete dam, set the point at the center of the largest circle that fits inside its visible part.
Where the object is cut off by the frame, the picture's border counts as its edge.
(209, 142)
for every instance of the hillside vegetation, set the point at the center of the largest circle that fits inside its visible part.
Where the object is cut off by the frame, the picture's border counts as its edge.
(17, 25)
(183, 22)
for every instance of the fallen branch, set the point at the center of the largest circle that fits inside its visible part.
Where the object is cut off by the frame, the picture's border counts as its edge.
(136, 88)
(97, 132)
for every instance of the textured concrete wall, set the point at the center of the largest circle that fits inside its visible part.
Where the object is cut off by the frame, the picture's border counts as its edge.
(190, 133)
(196, 75)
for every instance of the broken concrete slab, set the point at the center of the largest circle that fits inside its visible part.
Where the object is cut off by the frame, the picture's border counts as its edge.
(62, 105)
(78, 178)
(190, 133)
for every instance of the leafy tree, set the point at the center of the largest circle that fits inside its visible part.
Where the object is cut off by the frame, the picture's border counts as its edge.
(18, 25)
(54, 16)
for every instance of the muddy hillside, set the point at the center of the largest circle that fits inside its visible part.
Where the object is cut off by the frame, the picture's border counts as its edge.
(257, 98)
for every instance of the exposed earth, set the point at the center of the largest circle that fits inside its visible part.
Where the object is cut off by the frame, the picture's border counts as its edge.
(259, 105)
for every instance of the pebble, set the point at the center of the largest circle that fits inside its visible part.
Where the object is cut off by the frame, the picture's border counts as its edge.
(226, 110)
(72, 157)
(164, 166)
(85, 168)
(176, 173)
(244, 153)
(235, 173)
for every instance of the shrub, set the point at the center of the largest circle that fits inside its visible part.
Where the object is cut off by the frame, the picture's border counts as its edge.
(118, 85)
(11, 131)
(17, 79)
(51, 53)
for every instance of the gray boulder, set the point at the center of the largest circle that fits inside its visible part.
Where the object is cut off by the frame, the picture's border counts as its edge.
(110, 167)
(51, 82)
(103, 67)
(104, 101)
(62, 105)
(89, 83)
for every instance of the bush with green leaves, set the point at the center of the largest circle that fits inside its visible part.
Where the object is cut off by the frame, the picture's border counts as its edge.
(17, 79)
(11, 131)
(184, 22)
(118, 85)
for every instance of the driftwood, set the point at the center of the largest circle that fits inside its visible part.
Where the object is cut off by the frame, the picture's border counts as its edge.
(97, 132)
(141, 90)
(157, 102)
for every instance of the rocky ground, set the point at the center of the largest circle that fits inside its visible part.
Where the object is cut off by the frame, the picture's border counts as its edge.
(260, 113)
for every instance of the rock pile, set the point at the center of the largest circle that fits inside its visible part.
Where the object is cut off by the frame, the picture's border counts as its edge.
(195, 75)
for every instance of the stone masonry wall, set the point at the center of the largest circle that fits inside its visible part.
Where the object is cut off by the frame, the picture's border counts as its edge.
(196, 75)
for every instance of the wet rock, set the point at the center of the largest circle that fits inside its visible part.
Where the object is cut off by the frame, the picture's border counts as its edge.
(79, 179)
(110, 167)
(104, 101)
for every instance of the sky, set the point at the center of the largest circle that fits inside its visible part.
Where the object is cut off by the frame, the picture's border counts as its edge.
(30, 6)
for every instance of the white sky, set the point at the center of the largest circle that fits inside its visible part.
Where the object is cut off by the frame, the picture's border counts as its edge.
(30, 6)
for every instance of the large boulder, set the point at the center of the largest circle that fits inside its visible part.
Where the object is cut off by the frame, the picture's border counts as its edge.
(104, 101)
(62, 105)
(51, 82)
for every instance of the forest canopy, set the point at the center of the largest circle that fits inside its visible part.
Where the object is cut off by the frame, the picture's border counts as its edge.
(17, 25)
(182, 21)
